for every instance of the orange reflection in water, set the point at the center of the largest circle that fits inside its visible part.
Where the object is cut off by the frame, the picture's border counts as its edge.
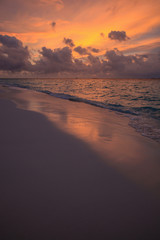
(106, 132)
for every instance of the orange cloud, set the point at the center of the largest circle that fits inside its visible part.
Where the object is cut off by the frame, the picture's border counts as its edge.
(82, 21)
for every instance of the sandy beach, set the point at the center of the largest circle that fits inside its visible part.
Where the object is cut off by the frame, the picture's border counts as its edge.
(73, 171)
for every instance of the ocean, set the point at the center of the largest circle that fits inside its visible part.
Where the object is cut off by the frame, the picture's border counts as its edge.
(138, 99)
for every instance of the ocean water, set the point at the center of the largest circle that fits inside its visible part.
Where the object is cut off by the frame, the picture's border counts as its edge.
(138, 99)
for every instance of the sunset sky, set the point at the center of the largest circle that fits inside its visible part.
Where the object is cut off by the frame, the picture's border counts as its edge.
(82, 38)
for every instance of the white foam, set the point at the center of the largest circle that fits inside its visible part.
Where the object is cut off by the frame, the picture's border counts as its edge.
(148, 127)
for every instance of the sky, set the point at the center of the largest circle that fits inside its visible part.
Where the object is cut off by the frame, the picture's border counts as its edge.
(80, 38)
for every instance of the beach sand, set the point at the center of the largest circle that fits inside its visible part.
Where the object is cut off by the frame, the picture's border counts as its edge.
(73, 171)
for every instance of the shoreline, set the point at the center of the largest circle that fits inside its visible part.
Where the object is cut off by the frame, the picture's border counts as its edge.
(144, 124)
(106, 132)
(58, 182)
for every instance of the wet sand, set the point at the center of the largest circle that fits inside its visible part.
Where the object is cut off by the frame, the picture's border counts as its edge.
(59, 181)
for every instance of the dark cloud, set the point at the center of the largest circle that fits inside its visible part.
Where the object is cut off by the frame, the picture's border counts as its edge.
(54, 61)
(8, 41)
(95, 65)
(94, 50)
(69, 42)
(81, 51)
(120, 65)
(53, 24)
(113, 64)
(118, 35)
(58, 61)
(13, 56)
(102, 35)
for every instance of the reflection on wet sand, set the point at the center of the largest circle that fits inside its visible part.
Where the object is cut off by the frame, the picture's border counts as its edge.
(106, 132)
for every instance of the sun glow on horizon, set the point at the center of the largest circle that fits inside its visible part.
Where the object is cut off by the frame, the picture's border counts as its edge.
(134, 26)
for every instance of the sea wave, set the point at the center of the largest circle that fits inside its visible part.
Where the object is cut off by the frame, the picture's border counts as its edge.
(147, 127)
(145, 120)
(114, 107)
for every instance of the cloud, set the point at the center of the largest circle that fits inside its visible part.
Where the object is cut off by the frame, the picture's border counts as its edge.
(114, 64)
(141, 49)
(18, 16)
(59, 60)
(10, 42)
(53, 24)
(54, 61)
(94, 50)
(120, 65)
(13, 56)
(102, 35)
(95, 65)
(69, 42)
(118, 35)
(153, 32)
(34, 8)
(81, 51)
